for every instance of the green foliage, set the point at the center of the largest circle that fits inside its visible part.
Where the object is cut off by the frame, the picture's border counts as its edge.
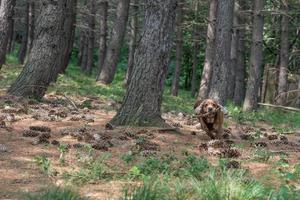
(261, 154)
(54, 193)
(92, 170)
(275, 117)
(43, 163)
(63, 148)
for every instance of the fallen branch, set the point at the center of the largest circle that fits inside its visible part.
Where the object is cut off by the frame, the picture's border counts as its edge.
(278, 106)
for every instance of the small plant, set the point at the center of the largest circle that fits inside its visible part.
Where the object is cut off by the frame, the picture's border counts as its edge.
(127, 157)
(261, 154)
(63, 148)
(93, 170)
(43, 163)
(55, 193)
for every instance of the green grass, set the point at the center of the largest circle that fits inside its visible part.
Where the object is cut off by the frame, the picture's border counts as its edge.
(54, 193)
(281, 120)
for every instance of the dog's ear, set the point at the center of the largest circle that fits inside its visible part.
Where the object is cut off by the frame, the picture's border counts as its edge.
(198, 107)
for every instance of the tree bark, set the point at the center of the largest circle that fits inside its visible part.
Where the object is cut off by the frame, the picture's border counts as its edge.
(284, 58)
(84, 53)
(91, 36)
(209, 51)
(113, 52)
(256, 58)
(80, 48)
(239, 91)
(196, 50)
(41, 68)
(233, 56)
(68, 33)
(219, 82)
(23, 48)
(103, 7)
(6, 17)
(31, 25)
(179, 48)
(142, 102)
(133, 40)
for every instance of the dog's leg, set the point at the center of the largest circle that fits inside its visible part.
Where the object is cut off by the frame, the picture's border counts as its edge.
(204, 127)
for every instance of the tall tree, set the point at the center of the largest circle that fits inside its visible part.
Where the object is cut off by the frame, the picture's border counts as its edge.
(23, 48)
(41, 68)
(196, 46)
(142, 102)
(91, 35)
(103, 7)
(113, 52)
(133, 40)
(209, 51)
(239, 91)
(233, 55)
(68, 33)
(284, 56)
(219, 82)
(256, 57)
(179, 47)
(31, 20)
(6, 17)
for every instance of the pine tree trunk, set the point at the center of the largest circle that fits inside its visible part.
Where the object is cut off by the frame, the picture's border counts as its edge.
(41, 68)
(69, 33)
(209, 51)
(103, 7)
(11, 36)
(284, 58)
(6, 17)
(239, 91)
(84, 52)
(196, 50)
(142, 102)
(133, 40)
(81, 48)
(179, 48)
(233, 56)
(23, 48)
(113, 52)
(91, 36)
(256, 57)
(31, 25)
(219, 81)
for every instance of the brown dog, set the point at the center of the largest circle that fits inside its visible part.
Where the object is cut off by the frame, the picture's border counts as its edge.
(211, 116)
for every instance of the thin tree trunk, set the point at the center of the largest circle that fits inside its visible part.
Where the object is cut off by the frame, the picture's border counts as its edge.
(81, 48)
(284, 58)
(179, 48)
(209, 51)
(133, 40)
(196, 50)
(31, 25)
(142, 102)
(240, 90)
(6, 17)
(11, 35)
(256, 57)
(233, 56)
(103, 7)
(84, 53)
(219, 82)
(23, 48)
(113, 52)
(41, 68)
(91, 36)
(69, 33)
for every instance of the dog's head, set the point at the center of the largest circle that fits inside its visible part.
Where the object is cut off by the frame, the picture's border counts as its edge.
(206, 106)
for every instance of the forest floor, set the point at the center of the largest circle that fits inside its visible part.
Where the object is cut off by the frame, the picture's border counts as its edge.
(64, 140)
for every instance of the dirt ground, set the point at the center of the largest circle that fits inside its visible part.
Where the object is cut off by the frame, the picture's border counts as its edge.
(72, 123)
